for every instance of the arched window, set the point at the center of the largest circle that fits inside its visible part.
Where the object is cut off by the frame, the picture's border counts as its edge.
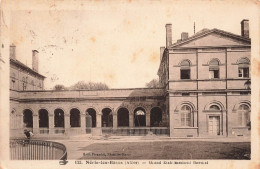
(214, 108)
(244, 115)
(58, 118)
(185, 69)
(43, 118)
(74, 118)
(139, 117)
(214, 69)
(107, 118)
(243, 68)
(186, 116)
(92, 114)
(123, 117)
(156, 117)
(28, 118)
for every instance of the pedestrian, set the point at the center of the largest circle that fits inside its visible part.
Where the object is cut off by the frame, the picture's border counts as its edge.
(27, 134)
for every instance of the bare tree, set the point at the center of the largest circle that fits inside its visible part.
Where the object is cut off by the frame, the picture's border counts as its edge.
(153, 84)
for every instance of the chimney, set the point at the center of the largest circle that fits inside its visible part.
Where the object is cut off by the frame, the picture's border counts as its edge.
(184, 35)
(161, 52)
(35, 59)
(245, 28)
(168, 35)
(12, 51)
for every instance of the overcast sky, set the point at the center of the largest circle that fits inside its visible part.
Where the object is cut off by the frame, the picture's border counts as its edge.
(115, 43)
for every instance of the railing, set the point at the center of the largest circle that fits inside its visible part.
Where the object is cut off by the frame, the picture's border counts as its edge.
(59, 130)
(23, 149)
(136, 131)
(44, 130)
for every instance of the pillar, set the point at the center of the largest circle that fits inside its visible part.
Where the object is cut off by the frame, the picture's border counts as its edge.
(67, 123)
(83, 123)
(131, 120)
(147, 115)
(51, 123)
(35, 124)
(114, 120)
(97, 131)
(98, 120)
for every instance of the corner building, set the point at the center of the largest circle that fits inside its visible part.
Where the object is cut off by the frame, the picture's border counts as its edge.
(205, 91)
(207, 80)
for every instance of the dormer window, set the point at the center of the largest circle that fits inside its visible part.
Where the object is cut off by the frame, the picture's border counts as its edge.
(185, 69)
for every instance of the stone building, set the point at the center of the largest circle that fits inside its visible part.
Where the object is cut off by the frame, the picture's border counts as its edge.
(207, 79)
(205, 91)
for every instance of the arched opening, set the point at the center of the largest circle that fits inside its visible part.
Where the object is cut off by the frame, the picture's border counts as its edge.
(215, 123)
(186, 116)
(107, 118)
(244, 115)
(74, 118)
(43, 118)
(28, 118)
(139, 117)
(58, 118)
(92, 114)
(214, 108)
(123, 117)
(156, 117)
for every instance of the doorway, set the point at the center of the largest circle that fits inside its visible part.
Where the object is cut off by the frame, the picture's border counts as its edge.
(214, 125)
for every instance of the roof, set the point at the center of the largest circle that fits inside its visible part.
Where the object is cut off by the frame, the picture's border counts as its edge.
(23, 66)
(206, 31)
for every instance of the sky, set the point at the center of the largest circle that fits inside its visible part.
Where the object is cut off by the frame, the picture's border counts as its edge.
(115, 42)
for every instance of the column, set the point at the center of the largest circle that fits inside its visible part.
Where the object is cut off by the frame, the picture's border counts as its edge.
(98, 120)
(147, 115)
(131, 120)
(51, 123)
(97, 131)
(35, 124)
(83, 123)
(67, 123)
(114, 120)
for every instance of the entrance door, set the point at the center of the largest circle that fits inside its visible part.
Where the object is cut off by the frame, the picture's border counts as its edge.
(214, 125)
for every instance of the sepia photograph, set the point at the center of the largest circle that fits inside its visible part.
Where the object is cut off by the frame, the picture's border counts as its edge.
(129, 83)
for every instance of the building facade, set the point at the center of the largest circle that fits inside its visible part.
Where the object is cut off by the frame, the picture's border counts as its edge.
(205, 91)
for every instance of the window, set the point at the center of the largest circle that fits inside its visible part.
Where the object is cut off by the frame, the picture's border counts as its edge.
(13, 84)
(244, 115)
(185, 69)
(24, 83)
(243, 68)
(214, 69)
(243, 72)
(186, 116)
